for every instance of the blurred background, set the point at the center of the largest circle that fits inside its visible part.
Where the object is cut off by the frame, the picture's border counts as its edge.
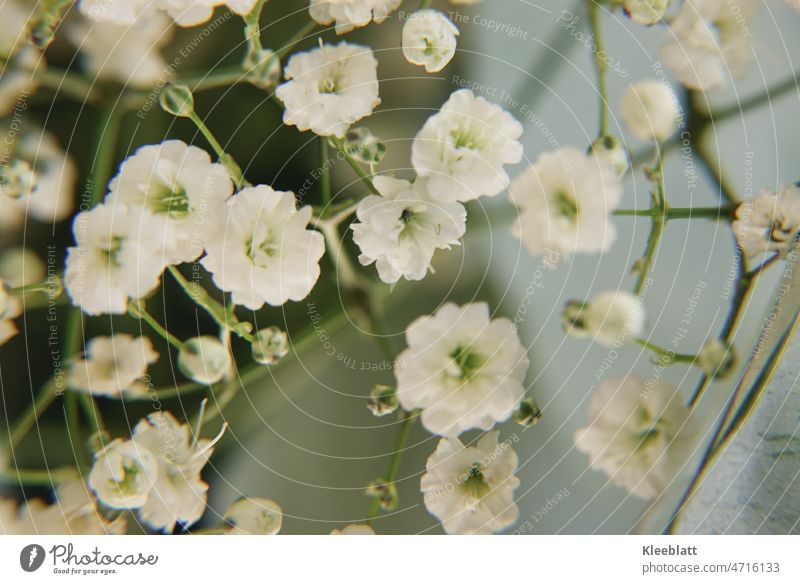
(303, 436)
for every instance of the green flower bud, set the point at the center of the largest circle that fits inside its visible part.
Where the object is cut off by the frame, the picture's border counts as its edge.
(270, 345)
(528, 413)
(17, 179)
(204, 359)
(386, 493)
(383, 400)
(611, 149)
(177, 100)
(716, 359)
(263, 69)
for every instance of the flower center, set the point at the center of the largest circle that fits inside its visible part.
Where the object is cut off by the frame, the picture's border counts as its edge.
(466, 138)
(474, 482)
(260, 252)
(164, 200)
(111, 250)
(128, 483)
(466, 363)
(565, 205)
(330, 85)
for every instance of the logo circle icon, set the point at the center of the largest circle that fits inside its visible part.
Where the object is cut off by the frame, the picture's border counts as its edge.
(31, 557)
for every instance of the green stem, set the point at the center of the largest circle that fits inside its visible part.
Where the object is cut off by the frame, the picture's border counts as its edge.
(105, 150)
(601, 68)
(252, 28)
(325, 179)
(345, 271)
(671, 355)
(658, 207)
(24, 424)
(226, 159)
(296, 38)
(37, 478)
(362, 174)
(92, 412)
(66, 82)
(141, 312)
(720, 213)
(406, 422)
(222, 77)
(47, 286)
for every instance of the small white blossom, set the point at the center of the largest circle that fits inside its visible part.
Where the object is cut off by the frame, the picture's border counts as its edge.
(350, 14)
(639, 434)
(129, 54)
(565, 199)
(253, 516)
(612, 151)
(465, 370)
(710, 42)
(204, 359)
(329, 88)
(123, 474)
(401, 229)
(184, 12)
(794, 4)
(470, 489)
(263, 252)
(610, 318)
(463, 148)
(429, 39)
(120, 12)
(118, 256)
(716, 359)
(354, 529)
(769, 223)
(20, 266)
(113, 366)
(650, 110)
(178, 493)
(646, 12)
(179, 183)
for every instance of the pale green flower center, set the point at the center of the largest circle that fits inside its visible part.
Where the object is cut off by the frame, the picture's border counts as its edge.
(164, 200)
(475, 483)
(468, 363)
(566, 205)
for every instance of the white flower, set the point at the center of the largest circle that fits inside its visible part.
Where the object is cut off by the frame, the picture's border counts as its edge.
(329, 88)
(650, 110)
(184, 12)
(180, 183)
(610, 318)
(429, 39)
(710, 42)
(204, 360)
(354, 529)
(11, 310)
(716, 359)
(769, 223)
(123, 474)
(470, 489)
(121, 12)
(794, 4)
(18, 80)
(13, 27)
(113, 366)
(178, 493)
(462, 149)
(263, 253)
(350, 14)
(647, 12)
(119, 255)
(565, 200)
(20, 266)
(253, 516)
(639, 434)
(401, 229)
(465, 370)
(52, 197)
(129, 54)
(73, 513)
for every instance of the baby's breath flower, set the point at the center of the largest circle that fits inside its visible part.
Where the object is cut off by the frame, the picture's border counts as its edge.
(123, 474)
(354, 529)
(650, 110)
(350, 14)
(270, 345)
(462, 149)
(253, 516)
(400, 230)
(329, 88)
(180, 184)
(465, 370)
(640, 434)
(429, 39)
(204, 359)
(263, 253)
(646, 12)
(113, 366)
(769, 223)
(709, 42)
(610, 318)
(565, 200)
(383, 400)
(716, 359)
(470, 489)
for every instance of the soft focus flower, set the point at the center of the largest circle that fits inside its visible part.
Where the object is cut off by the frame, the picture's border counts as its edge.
(464, 370)
(253, 516)
(123, 474)
(716, 359)
(350, 14)
(12, 309)
(52, 197)
(204, 359)
(121, 12)
(263, 252)
(184, 12)
(129, 54)
(18, 80)
(180, 183)
(178, 493)
(113, 366)
(354, 529)
(610, 318)
(401, 229)
(73, 513)
(639, 434)
(329, 88)
(565, 200)
(650, 110)
(462, 149)
(769, 223)
(470, 489)
(118, 256)
(794, 4)
(429, 39)
(710, 42)
(647, 12)
(20, 266)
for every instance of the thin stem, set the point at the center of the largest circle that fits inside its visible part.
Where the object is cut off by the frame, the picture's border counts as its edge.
(355, 165)
(225, 158)
(671, 355)
(344, 267)
(105, 150)
(28, 419)
(406, 422)
(46, 286)
(92, 412)
(296, 38)
(325, 179)
(37, 478)
(595, 23)
(66, 82)
(222, 77)
(658, 207)
(252, 28)
(141, 312)
(720, 213)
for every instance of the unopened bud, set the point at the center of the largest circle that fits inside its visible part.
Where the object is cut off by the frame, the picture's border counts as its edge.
(177, 100)
(270, 345)
(528, 413)
(383, 400)
(386, 493)
(204, 359)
